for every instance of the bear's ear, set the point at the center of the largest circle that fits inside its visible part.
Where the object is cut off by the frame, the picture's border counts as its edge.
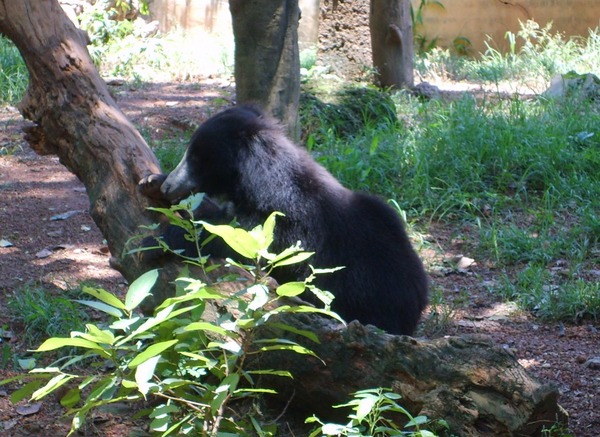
(256, 124)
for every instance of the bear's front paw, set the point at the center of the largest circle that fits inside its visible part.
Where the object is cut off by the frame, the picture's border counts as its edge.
(149, 186)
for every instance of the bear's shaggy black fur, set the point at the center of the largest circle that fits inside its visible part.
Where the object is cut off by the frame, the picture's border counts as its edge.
(243, 156)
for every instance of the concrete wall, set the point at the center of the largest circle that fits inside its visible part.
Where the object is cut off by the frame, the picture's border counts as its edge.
(213, 17)
(472, 19)
(476, 19)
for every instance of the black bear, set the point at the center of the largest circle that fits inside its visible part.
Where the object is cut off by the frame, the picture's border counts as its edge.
(242, 156)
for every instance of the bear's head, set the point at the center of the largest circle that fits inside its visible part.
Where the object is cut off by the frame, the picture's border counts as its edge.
(214, 159)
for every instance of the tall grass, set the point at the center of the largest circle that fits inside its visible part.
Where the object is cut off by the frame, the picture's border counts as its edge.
(13, 73)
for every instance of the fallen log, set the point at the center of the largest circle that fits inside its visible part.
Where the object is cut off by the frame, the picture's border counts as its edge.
(479, 388)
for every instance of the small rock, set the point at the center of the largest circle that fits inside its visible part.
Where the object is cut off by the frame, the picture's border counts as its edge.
(65, 215)
(426, 91)
(44, 253)
(5, 243)
(592, 363)
(27, 410)
(464, 263)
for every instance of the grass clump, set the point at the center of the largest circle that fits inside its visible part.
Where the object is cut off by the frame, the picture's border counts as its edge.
(551, 295)
(13, 73)
(44, 314)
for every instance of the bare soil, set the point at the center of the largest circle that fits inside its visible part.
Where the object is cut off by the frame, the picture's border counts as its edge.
(60, 251)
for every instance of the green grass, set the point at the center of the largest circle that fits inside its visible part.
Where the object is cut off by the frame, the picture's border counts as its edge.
(13, 73)
(44, 314)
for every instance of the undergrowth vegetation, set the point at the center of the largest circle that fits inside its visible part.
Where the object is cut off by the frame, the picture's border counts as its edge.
(521, 174)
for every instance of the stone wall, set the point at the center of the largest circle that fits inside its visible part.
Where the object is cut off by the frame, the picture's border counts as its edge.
(478, 19)
(344, 38)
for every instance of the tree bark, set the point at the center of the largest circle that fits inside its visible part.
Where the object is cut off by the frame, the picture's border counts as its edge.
(267, 61)
(478, 388)
(392, 43)
(76, 118)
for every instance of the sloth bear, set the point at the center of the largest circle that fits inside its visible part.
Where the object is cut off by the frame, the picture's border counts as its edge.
(243, 157)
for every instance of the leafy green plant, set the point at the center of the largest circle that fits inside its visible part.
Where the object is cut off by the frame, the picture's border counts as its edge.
(190, 357)
(557, 430)
(375, 413)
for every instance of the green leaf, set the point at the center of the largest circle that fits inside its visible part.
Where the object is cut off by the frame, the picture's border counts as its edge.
(230, 346)
(162, 316)
(268, 230)
(152, 351)
(26, 363)
(104, 296)
(238, 239)
(257, 390)
(25, 391)
(162, 417)
(140, 289)
(334, 429)
(192, 202)
(54, 383)
(261, 296)
(417, 421)
(144, 373)
(202, 326)
(227, 387)
(364, 407)
(209, 362)
(283, 373)
(288, 347)
(303, 332)
(101, 306)
(57, 342)
(291, 289)
(124, 324)
(71, 398)
(294, 259)
(96, 335)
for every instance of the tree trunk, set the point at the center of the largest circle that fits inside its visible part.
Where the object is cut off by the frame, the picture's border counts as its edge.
(267, 62)
(392, 43)
(477, 387)
(76, 118)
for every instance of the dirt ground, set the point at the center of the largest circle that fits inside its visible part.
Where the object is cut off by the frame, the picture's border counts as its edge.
(53, 241)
